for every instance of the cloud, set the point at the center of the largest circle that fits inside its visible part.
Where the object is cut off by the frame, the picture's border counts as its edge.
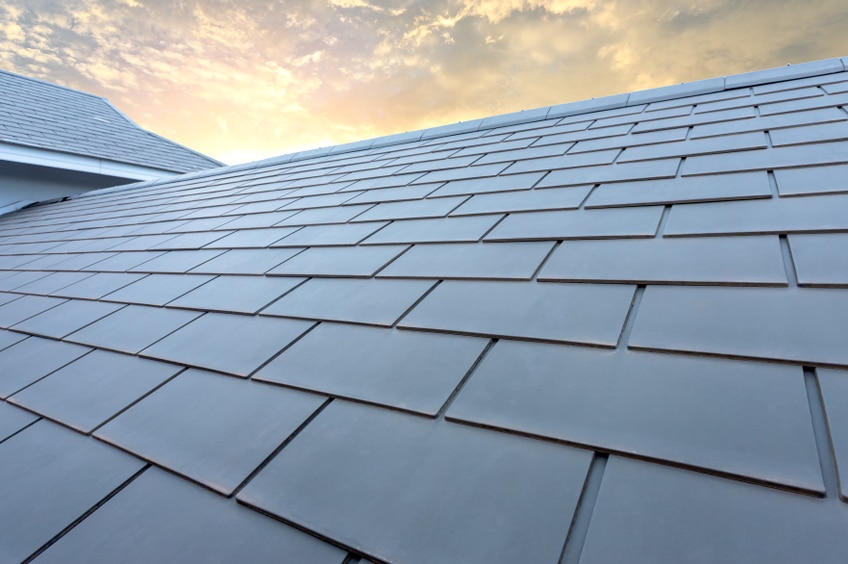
(299, 74)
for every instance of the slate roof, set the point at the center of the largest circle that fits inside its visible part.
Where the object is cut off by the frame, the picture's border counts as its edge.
(613, 331)
(38, 114)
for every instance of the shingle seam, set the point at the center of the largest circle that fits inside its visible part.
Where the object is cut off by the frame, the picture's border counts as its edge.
(318, 535)
(465, 377)
(666, 213)
(85, 515)
(311, 328)
(137, 400)
(788, 262)
(27, 426)
(630, 318)
(576, 537)
(821, 431)
(280, 447)
(550, 253)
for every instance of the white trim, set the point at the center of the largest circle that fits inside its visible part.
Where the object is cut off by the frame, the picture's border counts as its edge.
(67, 161)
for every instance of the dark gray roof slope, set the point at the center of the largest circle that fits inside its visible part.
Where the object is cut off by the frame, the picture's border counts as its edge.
(611, 333)
(47, 116)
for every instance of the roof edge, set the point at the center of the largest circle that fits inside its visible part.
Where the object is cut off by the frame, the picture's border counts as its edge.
(53, 84)
(171, 141)
(39, 156)
(658, 94)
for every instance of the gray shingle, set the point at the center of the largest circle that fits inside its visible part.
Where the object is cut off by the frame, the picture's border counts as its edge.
(177, 262)
(812, 180)
(799, 325)
(33, 359)
(405, 369)
(592, 224)
(330, 235)
(762, 159)
(483, 185)
(775, 215)
(252, 238)
(532, 200)
(451, 229)
(516, 261)
(741, 186)
(438, 207)
(98, 285)
(9, 338)
(49, 477)
(743, 418)
(820, 260)
(615, 173)
(90, 390)
(374, 302)
(213, 429)
(66, 318)
(246, 261)
(705, 146)
(339, 261)
(236, 344)
(573, 313)
(132, 328)
(369, 476)
(834, 392)
(835, 131)
(647, 513)
(769, 123)
(13, 420)
(237, 294)
(51, 283)
(713, 260)
(158, 289)
(159, 516)
(18, 310)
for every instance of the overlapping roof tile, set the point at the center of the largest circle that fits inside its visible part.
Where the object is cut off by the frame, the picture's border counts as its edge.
(609, 331)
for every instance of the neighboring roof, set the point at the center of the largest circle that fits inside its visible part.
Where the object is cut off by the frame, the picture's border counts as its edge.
(37, 114)
(608, 335)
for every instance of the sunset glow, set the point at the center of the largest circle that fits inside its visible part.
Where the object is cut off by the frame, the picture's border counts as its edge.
(243, 80)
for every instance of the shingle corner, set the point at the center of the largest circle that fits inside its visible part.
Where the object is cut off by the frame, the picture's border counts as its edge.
(585, 106)
(789, 72)
(514, 118)
(350, 147)
(677, 91)
(310, 154)
(396, 139)
(452, 129)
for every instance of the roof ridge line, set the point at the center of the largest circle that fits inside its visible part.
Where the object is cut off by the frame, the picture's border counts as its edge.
(661, 93)
(53, 84)
(171, 141)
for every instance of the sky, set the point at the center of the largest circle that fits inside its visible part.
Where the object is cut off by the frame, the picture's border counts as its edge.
(242, 80)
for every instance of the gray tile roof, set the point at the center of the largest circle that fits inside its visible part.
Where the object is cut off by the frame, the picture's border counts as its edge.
(47, 116)
(610, 331)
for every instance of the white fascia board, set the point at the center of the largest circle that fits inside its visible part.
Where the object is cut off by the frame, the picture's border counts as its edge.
(79, 163)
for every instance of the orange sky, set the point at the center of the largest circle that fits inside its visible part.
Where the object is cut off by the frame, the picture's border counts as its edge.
(246, 79)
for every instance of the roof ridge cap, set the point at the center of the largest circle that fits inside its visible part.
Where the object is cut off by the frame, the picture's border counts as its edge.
(579, 107)
(568, 109)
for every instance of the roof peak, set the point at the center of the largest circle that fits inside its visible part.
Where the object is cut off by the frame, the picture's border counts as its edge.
(568, 109)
